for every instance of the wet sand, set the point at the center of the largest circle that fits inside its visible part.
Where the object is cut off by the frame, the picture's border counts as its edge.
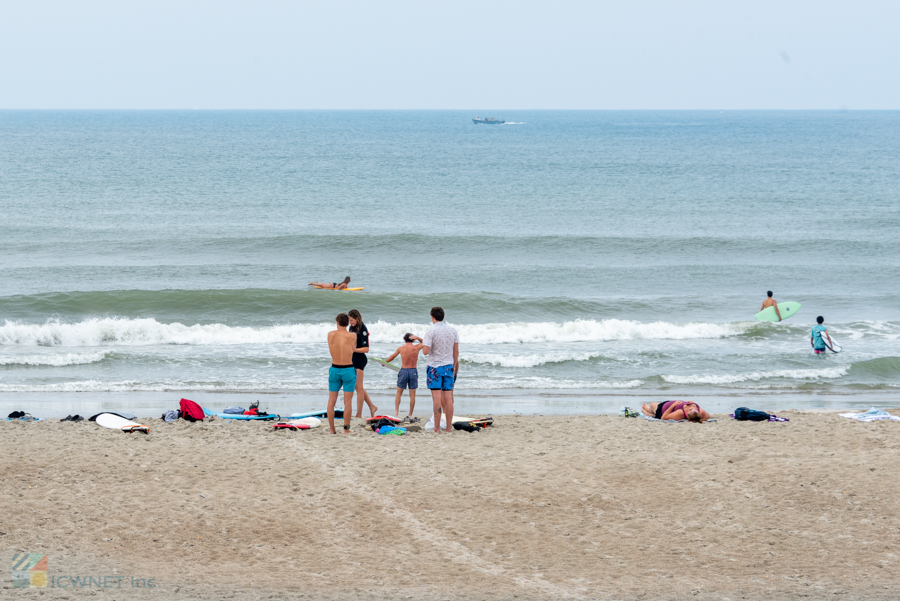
(533, 508)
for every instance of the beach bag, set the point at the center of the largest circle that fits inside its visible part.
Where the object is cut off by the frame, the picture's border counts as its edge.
(466, 426)
(191, 411)
(744, 414)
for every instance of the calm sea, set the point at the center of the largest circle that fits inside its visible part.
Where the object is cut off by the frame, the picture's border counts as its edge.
(577, 253)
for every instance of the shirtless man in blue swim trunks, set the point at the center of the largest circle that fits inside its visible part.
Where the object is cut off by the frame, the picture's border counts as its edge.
(409, 373)
(342, 374)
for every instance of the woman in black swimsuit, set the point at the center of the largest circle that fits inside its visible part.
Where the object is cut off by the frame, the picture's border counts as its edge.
(360, 360)
(333, 285)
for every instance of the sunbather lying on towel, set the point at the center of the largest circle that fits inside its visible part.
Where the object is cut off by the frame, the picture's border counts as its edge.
(675, 410)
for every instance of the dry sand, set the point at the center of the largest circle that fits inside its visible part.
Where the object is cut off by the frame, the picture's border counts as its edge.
(534, 508)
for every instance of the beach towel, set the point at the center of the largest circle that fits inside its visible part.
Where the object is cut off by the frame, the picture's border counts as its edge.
(871, 415)
(670, 421)
(388, 430)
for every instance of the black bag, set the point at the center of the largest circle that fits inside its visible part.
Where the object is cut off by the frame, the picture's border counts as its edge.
(466, 426)
(744, 414)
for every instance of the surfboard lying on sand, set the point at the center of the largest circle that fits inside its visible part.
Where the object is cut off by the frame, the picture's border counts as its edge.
(114, 422)
(323, 413)
(832, 346)
(292, 425)
(233, 416)
(388, 417)
(787, 309)
(384, 363)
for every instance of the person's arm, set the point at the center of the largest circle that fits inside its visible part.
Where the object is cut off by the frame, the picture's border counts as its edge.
(426, 344)
(456, 357)
(394, 356)
(341, 286)
(670, 413)
(777, 312)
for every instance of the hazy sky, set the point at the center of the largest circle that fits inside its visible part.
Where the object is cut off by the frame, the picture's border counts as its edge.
(629, 54)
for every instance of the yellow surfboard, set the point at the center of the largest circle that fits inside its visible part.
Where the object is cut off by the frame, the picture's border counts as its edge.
(343, 290)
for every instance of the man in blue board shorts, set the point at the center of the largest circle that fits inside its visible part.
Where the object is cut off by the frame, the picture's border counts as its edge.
(342, 374)
(408, 377)
(441, 346)
(816, 337)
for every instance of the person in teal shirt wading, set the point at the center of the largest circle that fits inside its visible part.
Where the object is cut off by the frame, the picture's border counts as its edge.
(816, 336)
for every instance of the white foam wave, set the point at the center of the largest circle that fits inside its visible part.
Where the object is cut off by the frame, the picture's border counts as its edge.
(315, 385)
(793, 374)
(148, 331)
(55, 360)
(526, 360)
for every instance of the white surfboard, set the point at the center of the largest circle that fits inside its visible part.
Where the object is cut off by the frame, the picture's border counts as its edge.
(385, 363)
(312, 422)
(114, 422)
(833, 346)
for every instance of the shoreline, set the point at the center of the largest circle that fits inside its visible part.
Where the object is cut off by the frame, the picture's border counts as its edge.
(53, 405)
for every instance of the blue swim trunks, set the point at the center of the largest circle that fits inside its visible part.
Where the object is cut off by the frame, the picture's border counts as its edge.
(440, 378)
(408, 378)
(342, 376)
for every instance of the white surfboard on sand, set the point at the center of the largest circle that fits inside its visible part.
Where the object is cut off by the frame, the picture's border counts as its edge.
(312, 422)
(114, 422)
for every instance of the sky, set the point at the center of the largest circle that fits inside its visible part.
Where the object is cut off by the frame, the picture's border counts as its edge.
(460, 54)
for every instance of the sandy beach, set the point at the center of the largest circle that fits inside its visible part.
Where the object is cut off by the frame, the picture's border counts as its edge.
(534, 508)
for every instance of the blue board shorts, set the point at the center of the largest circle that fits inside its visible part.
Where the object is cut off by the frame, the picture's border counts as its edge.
(341, 376)
(408, 378)
(440, 378)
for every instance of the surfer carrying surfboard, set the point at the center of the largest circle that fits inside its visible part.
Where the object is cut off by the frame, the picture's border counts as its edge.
(817, 337)
(409, 372)
(342, 374)
(771, 302)
(333, 285)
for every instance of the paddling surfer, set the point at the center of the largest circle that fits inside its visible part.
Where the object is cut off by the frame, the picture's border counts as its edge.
(441, 346)
(342, 374)
(771, 302)
(409, 372)
(333, 285)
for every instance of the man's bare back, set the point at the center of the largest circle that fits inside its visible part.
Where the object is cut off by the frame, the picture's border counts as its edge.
(341, 345)
(409, 354)
(771, 302)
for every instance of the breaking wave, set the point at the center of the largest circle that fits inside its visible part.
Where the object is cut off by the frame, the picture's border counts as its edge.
(794, 374)
(57, 360)
(148, 331)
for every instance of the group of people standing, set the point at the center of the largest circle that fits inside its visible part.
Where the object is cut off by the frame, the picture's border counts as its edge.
(348, 348)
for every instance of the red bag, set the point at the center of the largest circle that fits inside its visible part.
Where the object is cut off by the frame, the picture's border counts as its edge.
(191, 411)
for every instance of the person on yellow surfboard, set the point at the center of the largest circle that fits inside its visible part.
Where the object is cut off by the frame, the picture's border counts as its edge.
(333, 285)
(771, 302)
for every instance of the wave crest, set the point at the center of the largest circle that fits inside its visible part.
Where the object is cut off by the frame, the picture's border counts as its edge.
(795, 374)
(57, 360)
(148, 331)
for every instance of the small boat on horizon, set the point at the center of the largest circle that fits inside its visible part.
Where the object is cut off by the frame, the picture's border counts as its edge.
(488, 121)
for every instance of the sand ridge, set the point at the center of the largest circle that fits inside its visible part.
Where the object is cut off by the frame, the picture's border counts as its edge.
(536, 507)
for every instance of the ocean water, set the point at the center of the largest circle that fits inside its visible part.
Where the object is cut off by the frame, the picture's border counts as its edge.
(590, 254)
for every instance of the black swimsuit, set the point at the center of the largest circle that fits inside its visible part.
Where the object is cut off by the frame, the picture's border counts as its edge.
(362, 341)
